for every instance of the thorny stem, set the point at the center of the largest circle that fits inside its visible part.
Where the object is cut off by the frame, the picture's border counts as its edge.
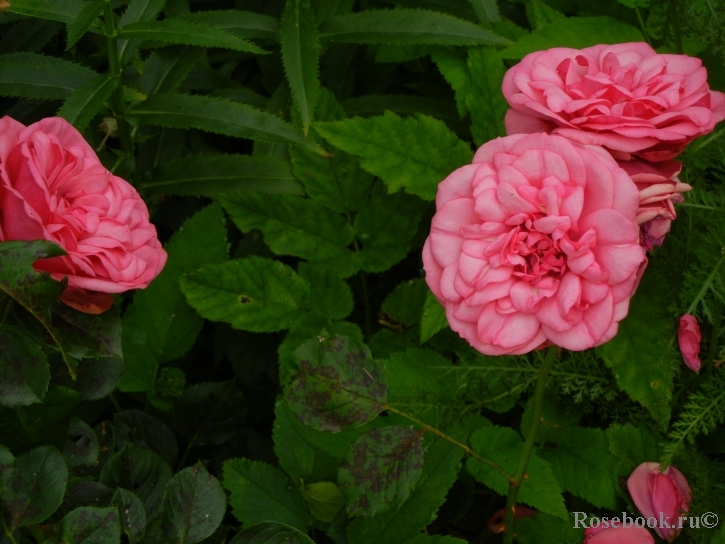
(536, 418)
(444, 436)
(114, 67)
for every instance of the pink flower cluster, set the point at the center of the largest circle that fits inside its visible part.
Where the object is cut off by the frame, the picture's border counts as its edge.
(543, 238)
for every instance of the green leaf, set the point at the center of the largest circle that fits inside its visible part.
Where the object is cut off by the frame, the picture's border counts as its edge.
(332, 296)
(632, 446)
(324, 499)
(540, 14)
(485, 101)
(83, 21)
(87, 335)
(296, 455)
(24, 373)
(487, 10)
(220, 116)
(405, 304)
(186, 33)
(89, 525)
(243, 23)
(81, 444)
(271, 532)
(65, 11)
(647, 336)
(97, 378)
(301, 56)
(209, 175)
(253, 294)
(85, 102)
(260, 492)
(295, 226)
(433, 319)
(28, 75)
(159, 325)
(194, 506)
(381, 469)
(583, 465)
(210, 413)
(574, 32)
(412, 153)
(440, 469)
(87, 493)
(137, 11)
(37, 486)
(166, 68)
(634, 3)
(402, 104)
(136, 427)
(131, 513)
(504, 446)
(338, 384)
(546, 529)
(406, 26)
(454, 69)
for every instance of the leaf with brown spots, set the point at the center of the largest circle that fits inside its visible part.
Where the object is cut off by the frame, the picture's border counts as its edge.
(90, 525)
(380, 469)
(338, 384)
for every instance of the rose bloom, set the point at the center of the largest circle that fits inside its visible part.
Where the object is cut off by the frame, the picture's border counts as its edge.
(658, 493)
(53, 187)
(625, 97)
(535, 241)
(617, 535)
(689, 338)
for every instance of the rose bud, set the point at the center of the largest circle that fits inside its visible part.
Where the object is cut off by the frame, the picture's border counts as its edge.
(617, 535)
(53, 187)
(495, 522)
(689, 338)
(660, 495)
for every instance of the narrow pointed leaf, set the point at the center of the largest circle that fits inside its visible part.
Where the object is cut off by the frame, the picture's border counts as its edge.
(29, 75)
(166, 68)
(64, 11)
(86, 17)
(242, 23)
(487, 10)
(85, 102)
(137, 11)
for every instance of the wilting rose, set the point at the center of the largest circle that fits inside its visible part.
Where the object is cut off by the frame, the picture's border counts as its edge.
(625, 97)
(655, 493)
(689, 338)
(53, 187)
(617, 535)
(535, 241)
(659, 190)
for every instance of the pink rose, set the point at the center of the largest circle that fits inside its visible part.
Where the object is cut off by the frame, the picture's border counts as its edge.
(689, 338)
(53, 187)
(666, 494)
(617, 535)
(535, 241)
(625, 97)
(659, 190)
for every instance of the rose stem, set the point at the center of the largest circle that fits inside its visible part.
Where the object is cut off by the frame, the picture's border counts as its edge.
(114, 67)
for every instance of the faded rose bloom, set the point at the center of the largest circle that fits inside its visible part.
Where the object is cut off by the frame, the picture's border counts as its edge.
(657, 493)
(53, 187)
(689, 338)
(625, 97)
(535, 241)
(617, 535)
(659, 190)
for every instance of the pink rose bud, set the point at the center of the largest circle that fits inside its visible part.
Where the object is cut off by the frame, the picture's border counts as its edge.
(53, 187)
(660, 495)
(625, 97)
(535, 241)
(689, 338)
(495, 522)
(618, 535)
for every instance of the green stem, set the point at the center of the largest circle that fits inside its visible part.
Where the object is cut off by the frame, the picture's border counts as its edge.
(642, 25)
(8, 532)
(114, 67)
(536, 418)
(675, 25)
(114, 401)
(717, 323)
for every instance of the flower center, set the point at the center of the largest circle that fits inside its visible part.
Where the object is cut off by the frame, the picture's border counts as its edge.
(539, 255)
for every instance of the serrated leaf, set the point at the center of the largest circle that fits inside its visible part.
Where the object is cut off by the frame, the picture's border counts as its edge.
(574, 32)
(405, 304)
(243, 23)
(433, 318)
(487, 10)
(81, 444)
(632, 446)
(540, 14)
(194, 506)
(332, 296)
(583, 465)
(440, 469)
(83, 21)
(414, 154)
(324, 499)
(209, 175)
(28, 75)
(26, 34)
(380, 469)
(89, 525)
(406, 26)
(131, 514)
(24, 373)
(301, 56)
(504, 446)
(454, 69)
(220, 116)
(260, 492)
(159, 325)
(64, 11)
(271, 532)
(295, 226)
(254, 294)
(137, 11)
(295, 454)
(186, 33)
(85, 102)
(87, 335)
(485, 101)
(165, 69)
(37, 486)
(97, 378)
(338, 384)
(546, 529)
(136, 427)
(210, 413)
